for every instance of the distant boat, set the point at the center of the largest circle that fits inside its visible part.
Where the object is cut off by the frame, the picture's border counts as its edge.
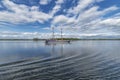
(55, 41)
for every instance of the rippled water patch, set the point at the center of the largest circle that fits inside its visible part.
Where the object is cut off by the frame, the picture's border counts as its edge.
(84, 60)
(75, 67)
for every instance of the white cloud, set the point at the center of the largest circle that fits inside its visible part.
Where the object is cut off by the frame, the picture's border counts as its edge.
(22, 13)
(88, 21)
(44, 2)
(82, 4)
(19, 13)
(59, 1)
(93, 13)
(86, 18)
(57, 7)
(111, 22)
(22, 35)
(61, 19)
(31, 35)
(99, 0)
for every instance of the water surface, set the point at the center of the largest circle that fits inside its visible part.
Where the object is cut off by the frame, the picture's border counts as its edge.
(79, 60)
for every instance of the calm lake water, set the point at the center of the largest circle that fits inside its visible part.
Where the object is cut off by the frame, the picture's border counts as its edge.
(79, 60)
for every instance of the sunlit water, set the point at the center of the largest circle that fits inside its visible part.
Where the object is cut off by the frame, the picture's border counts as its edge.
(79, 60)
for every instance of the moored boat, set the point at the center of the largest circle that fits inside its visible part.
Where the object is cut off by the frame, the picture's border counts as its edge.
(55, 41)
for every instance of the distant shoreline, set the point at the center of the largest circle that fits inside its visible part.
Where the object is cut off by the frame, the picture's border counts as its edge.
(72, 39)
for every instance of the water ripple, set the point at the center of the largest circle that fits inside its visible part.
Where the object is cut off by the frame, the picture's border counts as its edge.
(75, 67)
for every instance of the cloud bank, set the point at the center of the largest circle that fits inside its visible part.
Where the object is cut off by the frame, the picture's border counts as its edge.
(82, 17)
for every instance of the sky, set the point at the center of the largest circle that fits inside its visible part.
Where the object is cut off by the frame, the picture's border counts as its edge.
(35, 18)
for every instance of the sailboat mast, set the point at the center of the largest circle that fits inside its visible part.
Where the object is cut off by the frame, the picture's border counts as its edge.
(53, 33)
(61, 34)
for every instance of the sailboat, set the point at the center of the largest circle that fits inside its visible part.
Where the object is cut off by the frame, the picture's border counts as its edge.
(55, 41)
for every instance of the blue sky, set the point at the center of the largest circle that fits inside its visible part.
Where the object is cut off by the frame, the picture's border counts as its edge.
(81, 17)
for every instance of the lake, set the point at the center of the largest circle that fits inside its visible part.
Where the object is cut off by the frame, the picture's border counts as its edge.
(79, 60)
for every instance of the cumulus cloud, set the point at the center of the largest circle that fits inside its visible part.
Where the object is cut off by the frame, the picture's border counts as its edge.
(91, 19)
(88, 21)
(44, 2)
(82, 4)
(31, 35)
(111, 22)
(22, 14)
(93, 16)
(84, 18)
(57, 7)
(61, 19)
(23, 35)
(59, 1)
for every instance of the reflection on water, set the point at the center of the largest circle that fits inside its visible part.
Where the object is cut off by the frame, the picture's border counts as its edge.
(80, 60)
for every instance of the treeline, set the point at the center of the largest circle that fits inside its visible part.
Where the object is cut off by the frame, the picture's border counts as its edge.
(37, 39)
(67, 38)
(20, 39)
